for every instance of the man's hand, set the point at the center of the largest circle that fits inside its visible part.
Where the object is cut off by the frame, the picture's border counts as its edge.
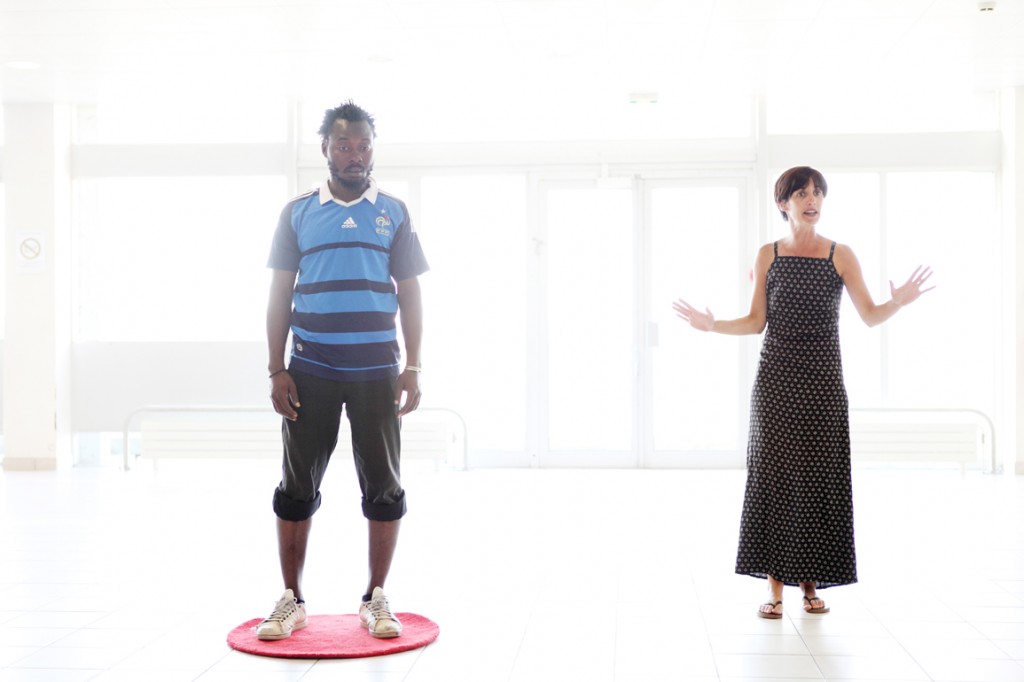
(409, 384)
(284, 395)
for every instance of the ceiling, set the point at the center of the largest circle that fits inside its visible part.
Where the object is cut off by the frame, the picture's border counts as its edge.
(522, 53)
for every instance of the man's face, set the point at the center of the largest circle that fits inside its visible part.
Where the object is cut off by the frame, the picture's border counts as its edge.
(349, 152)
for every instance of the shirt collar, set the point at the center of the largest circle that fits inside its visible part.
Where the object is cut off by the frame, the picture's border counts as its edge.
(370, 195)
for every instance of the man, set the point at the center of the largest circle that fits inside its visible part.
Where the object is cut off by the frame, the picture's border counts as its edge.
(345, 262)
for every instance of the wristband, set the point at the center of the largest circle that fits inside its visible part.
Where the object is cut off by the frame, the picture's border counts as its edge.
(274, 374)
(413, 368)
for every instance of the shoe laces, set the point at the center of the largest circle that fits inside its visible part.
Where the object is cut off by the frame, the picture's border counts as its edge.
(380, 609)
(283, 610)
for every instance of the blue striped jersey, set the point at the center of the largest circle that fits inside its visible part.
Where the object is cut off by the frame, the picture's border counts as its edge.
(348, 258)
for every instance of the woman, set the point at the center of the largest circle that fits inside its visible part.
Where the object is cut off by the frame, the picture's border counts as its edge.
(797, 521)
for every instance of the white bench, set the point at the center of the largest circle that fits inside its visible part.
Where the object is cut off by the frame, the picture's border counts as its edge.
(249, 431)
(904, 435)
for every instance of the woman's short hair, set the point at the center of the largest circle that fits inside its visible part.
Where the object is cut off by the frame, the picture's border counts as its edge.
(795, 179)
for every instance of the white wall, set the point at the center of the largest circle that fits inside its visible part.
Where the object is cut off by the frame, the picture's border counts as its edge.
(37, 211)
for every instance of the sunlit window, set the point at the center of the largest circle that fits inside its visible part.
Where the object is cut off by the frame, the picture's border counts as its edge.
(473, 230)
(174, 259)
(947, 220)
(893, 365)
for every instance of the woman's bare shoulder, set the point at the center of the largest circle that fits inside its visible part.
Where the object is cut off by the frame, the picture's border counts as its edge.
(844, 251)
(844, 259)
(765, 255)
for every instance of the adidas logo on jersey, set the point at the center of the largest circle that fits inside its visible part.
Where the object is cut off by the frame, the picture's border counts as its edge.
(348, 224)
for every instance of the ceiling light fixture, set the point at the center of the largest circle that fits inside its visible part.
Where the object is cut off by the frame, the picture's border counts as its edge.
(643, 98)
(986, 6)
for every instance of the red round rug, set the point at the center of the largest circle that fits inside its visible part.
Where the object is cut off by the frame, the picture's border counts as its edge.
(335, 637)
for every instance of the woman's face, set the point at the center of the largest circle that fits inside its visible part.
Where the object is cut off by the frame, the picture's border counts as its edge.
(804, 205)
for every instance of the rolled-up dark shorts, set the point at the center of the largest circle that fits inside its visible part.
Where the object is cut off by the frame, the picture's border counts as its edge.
(310, 440)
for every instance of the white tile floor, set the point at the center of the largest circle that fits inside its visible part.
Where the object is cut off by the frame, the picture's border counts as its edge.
(585, 575)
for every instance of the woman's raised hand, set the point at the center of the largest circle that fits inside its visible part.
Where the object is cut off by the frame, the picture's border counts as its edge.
(911, 289)
(704, 322)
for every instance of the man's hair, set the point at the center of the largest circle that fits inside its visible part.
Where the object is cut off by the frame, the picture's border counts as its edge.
(795, 179)
(346, 111)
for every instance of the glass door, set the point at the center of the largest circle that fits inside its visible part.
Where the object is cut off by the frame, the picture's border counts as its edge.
(622, 381)
(586, 294)
(694, 383)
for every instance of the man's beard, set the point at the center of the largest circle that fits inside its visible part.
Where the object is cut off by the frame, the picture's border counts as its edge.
(354, 185)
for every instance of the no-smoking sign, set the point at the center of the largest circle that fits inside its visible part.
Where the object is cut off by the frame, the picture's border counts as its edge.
(30, 251)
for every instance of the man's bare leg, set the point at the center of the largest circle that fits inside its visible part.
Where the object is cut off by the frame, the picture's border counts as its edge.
(292, 538)
(383, 537)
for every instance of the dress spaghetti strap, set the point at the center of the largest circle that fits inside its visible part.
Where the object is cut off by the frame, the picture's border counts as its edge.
(831, 251)
(775, 245)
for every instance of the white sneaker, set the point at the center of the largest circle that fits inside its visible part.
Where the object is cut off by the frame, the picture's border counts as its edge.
(375, 615)
(288, 616)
